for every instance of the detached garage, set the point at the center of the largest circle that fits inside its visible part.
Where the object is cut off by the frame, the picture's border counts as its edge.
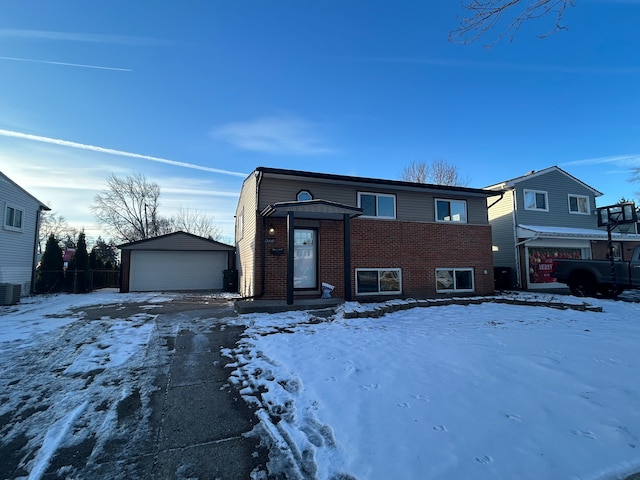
(174, 262)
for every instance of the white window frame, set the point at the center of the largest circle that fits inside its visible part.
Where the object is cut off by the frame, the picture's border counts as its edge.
(240, 225)
(12, 227)
(450, 201)
(535, 192)
(578, 197)
(379, 292)
(453, 277)
(379, 195)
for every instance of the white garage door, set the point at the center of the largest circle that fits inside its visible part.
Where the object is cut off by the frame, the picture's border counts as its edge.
(152, 271)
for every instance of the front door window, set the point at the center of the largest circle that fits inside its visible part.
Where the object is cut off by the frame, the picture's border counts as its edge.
(305, 259)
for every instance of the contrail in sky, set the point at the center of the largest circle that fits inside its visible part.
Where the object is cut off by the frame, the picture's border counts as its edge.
(120, 153)
(65, 64)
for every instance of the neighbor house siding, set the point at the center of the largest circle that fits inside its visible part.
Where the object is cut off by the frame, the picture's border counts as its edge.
(247, 221)
(558, 186)
(18, 248)
(502, 230)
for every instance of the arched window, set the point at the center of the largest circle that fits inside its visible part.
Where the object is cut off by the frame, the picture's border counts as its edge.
(304, 195)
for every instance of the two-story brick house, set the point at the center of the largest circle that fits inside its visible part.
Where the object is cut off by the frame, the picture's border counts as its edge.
(543, 215)
(367, 237)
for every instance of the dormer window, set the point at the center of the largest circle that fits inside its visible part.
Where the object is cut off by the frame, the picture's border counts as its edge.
(304, 195)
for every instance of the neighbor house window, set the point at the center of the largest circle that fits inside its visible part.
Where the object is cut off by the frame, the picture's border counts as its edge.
(240, 225)
(579, 204)
(451, 210)
(380, 205)
(454, 280)
(378, 281)
(304, 195)
(13, 218)
(536, 200)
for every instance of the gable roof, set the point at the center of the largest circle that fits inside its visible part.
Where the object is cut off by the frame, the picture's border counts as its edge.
(176, 241)
(532, 174)
(42, 205)
(401, 184)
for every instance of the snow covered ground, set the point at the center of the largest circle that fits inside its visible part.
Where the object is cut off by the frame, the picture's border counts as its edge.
(481, 391)
(68, 384)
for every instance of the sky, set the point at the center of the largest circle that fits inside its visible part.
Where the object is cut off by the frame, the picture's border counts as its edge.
(196, 95)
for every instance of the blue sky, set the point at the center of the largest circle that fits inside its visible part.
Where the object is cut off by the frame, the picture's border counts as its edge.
(196, 94)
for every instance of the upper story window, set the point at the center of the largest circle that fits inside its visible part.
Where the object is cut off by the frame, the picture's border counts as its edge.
(579, 204)
(13, 218)
(304, 195)
(381, 205)
(451, 210)
(536, 200)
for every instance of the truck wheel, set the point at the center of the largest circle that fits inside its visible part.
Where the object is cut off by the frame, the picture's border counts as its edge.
(583, 286)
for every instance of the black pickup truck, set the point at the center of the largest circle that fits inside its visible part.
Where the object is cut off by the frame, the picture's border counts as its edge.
(586, 278)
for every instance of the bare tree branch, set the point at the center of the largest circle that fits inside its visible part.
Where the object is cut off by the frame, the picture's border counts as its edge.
(197, 223)
(129, 207)
(486, 15)
(438, 172)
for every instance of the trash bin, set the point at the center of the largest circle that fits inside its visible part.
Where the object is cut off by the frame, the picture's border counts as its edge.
(326, 290)
(230, 280)
(502, 278)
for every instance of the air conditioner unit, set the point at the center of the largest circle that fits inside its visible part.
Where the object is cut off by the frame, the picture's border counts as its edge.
(9, 293)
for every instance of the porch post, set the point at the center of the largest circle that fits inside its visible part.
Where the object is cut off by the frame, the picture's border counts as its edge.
(347, 257)
(291, 239)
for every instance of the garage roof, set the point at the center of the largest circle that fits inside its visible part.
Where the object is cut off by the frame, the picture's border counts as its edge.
(177, 241)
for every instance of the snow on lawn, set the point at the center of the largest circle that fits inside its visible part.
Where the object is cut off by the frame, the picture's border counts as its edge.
(481, 391)
(69, 383)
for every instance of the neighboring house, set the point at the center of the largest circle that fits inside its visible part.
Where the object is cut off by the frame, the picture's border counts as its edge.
(18, 235)
(366, 237)
(174, 262)
(541, 216)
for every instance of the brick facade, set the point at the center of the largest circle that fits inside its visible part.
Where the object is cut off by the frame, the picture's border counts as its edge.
(416, 248)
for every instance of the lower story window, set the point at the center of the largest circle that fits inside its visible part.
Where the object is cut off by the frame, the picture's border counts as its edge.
(454, 280)
(378, 281)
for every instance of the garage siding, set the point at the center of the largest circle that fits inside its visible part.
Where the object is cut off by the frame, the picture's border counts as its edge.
(176, 270)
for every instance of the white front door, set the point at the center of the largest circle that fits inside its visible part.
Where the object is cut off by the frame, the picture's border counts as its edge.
(305, 259)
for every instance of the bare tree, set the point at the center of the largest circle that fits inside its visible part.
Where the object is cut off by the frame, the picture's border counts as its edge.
(54, 224)
(486, 15)
(197, 223)
(438, 172)
(128, 208)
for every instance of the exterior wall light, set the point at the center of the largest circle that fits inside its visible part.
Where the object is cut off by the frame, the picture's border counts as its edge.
(271, 231)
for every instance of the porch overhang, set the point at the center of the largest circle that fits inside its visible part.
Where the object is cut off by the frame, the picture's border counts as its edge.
(312, 209)
(531, 232)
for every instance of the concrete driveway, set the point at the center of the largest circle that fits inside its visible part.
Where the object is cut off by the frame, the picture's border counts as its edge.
(178, 418)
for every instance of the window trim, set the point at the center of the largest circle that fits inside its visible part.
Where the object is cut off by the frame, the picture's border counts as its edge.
(578, 212)
(5, 224)
(535, 209)
(301, 192)
(456, 290)
(377, 195)
(378, 270)
(450, 200)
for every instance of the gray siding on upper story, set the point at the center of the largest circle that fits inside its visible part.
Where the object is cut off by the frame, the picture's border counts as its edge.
(558, 187)
(502, 230)
(18, 247)
(413, 204)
